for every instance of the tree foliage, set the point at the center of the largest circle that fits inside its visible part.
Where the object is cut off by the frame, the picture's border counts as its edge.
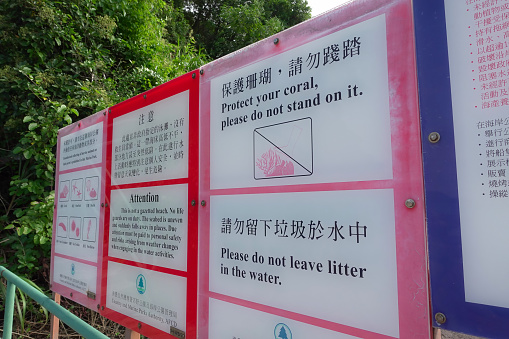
(61, 61)
(223, 26)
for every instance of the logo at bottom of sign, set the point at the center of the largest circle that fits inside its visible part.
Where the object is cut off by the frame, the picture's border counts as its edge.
(141, 284)
(282, 331)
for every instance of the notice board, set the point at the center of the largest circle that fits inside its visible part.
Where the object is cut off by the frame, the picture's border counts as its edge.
(312, 211)
(465, 126)
(125, 229)
(76, 265)
(150, 261)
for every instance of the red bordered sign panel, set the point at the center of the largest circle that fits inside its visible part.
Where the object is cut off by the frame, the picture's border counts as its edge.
(150, 266)
(312, 175)
(76, 253)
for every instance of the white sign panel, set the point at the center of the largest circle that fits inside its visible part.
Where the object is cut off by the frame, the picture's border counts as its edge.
(151, 143)
(329, 255)
(144, 295)
(82, 148)
(287, 118)
(477, 40)
(75, 275)
(78, 213)
(149, 225)
(262, 325)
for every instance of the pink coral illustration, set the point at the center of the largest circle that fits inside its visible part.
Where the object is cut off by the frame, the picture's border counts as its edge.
(65, 191)
(272, 165)
(88, 228)
(75, 228)
(76, 190)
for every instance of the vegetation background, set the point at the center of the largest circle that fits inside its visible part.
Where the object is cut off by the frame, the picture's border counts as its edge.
(61, 61)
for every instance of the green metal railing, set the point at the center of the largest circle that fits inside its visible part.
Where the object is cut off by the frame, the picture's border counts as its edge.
(64, 315)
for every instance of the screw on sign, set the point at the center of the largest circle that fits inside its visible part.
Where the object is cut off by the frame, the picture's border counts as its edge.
(434, 137)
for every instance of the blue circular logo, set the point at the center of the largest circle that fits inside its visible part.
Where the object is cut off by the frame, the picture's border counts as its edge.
(282, 331)
(73, 269)
(141, 284)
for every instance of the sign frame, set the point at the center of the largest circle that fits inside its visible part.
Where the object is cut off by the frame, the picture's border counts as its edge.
(187, 82)
(406, 152)
(89, 300)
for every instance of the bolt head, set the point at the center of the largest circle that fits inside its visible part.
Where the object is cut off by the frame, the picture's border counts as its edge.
(144, 96)
(203, 203)
(440, 318)
(201, 71)
(410, 203)
(434, 137)
(276, 41)
(193, 202)
(194, 75)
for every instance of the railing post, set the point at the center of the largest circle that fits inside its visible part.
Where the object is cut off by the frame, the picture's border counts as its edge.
(9, 310)
(55, 322)
(130, 334)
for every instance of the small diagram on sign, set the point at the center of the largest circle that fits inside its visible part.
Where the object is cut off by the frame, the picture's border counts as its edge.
(63, 188)
(77, 189)
(91, 188)
(62, 227)
(89, 229)
(75, 230)
(283, 150)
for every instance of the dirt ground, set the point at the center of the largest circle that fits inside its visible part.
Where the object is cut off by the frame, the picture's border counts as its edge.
(455, 335)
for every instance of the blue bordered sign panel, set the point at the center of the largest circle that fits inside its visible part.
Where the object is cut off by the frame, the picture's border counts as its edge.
(463, 67)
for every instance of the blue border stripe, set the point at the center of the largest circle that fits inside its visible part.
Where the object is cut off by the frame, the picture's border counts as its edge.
(441, 188)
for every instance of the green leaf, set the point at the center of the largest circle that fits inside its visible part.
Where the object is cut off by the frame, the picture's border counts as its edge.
(27, 154)
(32, 126)
(27, 118)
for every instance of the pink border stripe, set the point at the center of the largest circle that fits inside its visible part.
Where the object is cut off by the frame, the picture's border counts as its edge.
(329, 325)
(91, 263)
(161, 269)
(338, 186)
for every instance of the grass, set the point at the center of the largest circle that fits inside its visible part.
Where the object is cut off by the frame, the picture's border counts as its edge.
(33, 321)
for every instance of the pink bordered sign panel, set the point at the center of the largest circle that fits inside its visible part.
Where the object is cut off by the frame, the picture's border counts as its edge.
(76, 254)
(150, 262)
(313, 217)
